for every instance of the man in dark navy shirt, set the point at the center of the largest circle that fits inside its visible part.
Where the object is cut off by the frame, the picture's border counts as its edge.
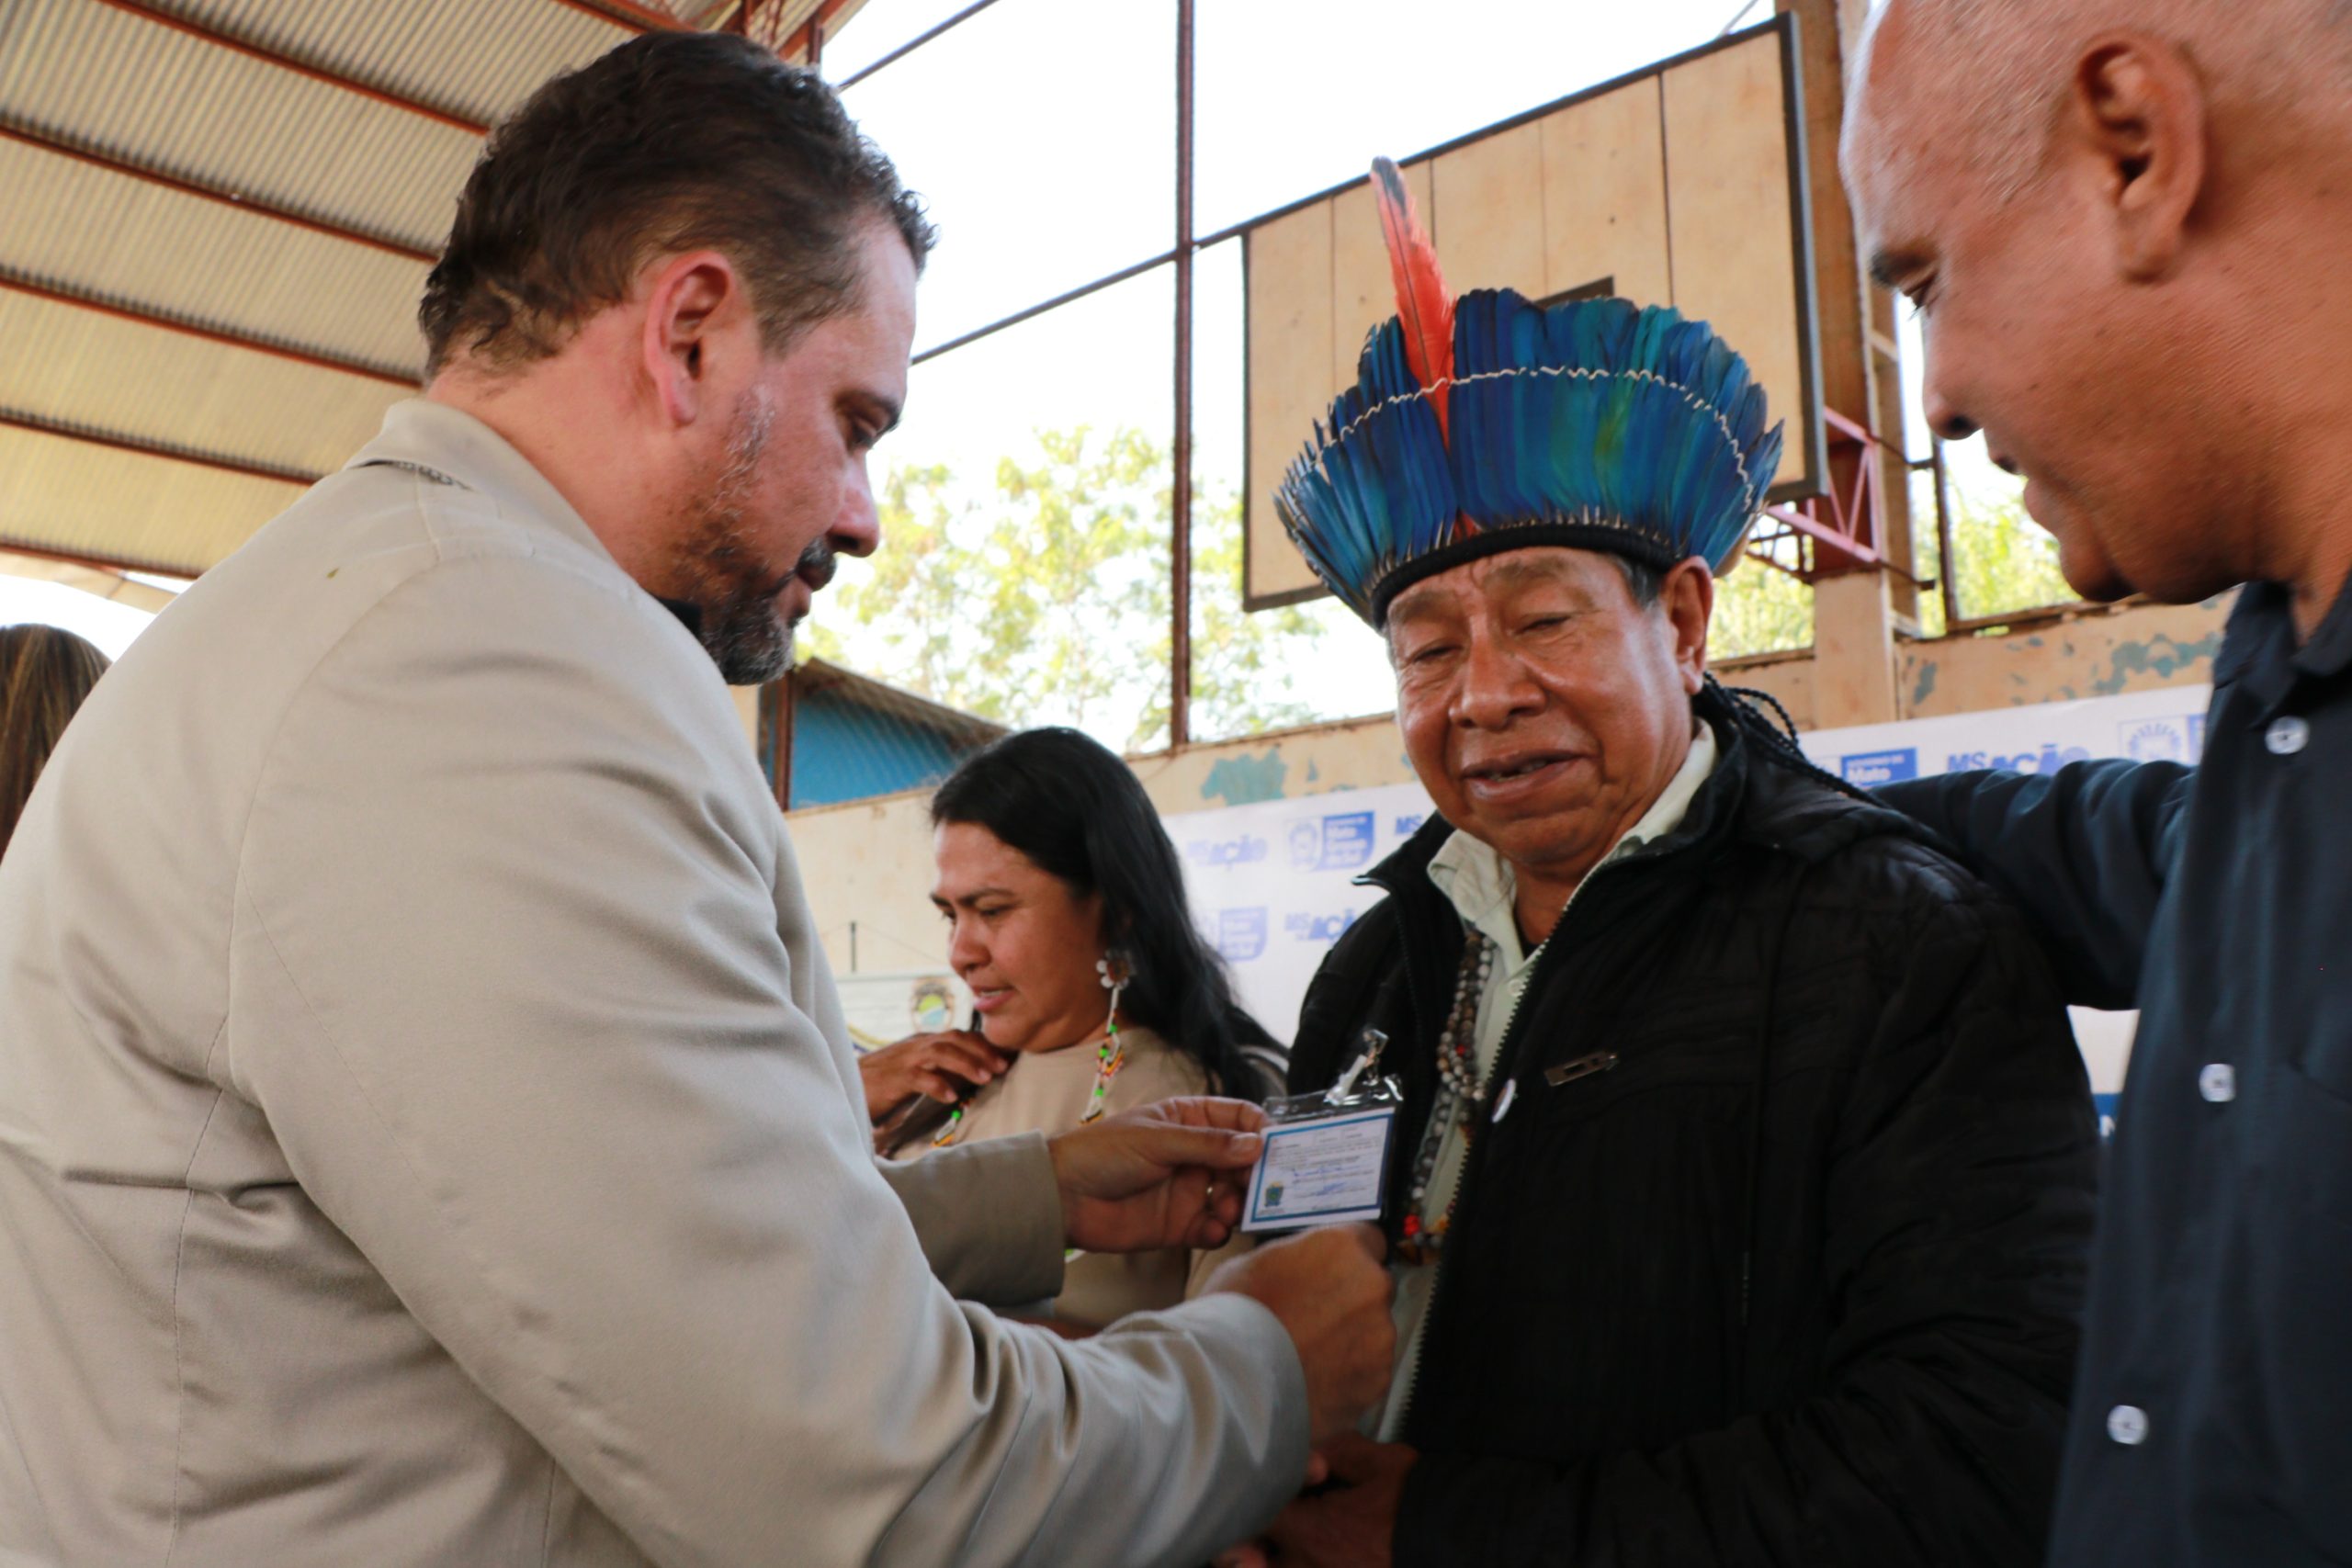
(2126, 225)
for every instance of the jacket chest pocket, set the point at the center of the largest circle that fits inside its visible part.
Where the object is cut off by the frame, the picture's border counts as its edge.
(1608, 1136)
(1605, 1070)
(1609, 1230)
(1627, 1153)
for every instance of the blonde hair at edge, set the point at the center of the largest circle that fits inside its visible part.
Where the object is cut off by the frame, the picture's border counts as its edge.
(2019, 55)
(44, 675)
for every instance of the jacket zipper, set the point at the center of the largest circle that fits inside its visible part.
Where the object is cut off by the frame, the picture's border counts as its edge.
(1505, 1052)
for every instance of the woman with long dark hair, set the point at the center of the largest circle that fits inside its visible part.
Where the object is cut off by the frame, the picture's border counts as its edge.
(1065, 902)
(45, 672)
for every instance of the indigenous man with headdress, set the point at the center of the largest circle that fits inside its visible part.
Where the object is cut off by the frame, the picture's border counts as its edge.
(1746, 1158)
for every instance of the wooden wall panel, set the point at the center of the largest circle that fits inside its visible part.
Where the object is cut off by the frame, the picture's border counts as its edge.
(1489, 229)
(1728, 207)
(1604, 195)
(1288, 267)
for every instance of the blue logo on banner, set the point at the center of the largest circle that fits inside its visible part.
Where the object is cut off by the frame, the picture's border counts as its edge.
(1346, 841)
(1409, 825)
(2156, 740)
(1325, 929)
(1227, 852)
(2049, 759)
(1241, 934)
(1338, 842)
(1871, 768)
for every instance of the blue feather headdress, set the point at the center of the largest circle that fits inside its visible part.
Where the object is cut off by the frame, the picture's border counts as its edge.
(1486, 424)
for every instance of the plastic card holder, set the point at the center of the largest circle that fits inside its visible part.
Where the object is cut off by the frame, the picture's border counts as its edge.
(1327, 1154)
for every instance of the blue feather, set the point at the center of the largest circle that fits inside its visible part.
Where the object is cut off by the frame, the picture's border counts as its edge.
(1594, 411)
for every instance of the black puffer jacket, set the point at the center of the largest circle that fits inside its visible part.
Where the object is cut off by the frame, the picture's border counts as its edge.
(1795, 1280)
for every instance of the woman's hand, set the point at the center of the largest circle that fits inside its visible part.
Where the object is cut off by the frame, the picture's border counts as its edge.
(946, 1067)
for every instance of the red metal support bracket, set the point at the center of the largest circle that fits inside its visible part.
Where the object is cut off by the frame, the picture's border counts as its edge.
(797, 47)
(628, 14)
(1836, 533)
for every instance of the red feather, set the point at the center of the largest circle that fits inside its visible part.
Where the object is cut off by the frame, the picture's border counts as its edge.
(1424, 308)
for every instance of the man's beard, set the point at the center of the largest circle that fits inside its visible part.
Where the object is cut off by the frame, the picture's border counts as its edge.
(718, 569)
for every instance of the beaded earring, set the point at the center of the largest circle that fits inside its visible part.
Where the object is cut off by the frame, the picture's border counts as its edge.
(1117, 969)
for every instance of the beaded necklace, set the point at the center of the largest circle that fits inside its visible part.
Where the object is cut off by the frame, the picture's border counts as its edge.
(1109, 1057)
(1460, 1098)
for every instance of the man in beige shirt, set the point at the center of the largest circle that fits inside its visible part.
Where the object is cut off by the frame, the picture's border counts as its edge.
(427, 1130)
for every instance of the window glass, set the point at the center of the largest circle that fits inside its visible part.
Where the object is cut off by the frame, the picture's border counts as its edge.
(1041, 136)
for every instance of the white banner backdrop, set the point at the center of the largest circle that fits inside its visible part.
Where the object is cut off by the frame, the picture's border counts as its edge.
(1273, 885)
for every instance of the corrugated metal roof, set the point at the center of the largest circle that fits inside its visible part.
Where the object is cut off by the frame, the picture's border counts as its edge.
(83, 231)
(98, 372)
(476, 58)
(155, 512)
(152, 95)
(854, 736)
(182, 97)
(817, 677)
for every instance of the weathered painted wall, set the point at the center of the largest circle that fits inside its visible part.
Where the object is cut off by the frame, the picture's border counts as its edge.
(2092, 655)
(870, 863)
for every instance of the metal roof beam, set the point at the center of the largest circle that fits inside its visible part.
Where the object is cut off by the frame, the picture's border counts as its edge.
(628, 14)
(155, 449)
(301, 68)
(798, 44)
(912, 44)
(118, 565)
(205, 193)
(212, 334)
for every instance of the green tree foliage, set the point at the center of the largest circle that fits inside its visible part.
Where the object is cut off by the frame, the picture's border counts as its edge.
(1759, 610)
(1045, 598)
(2004, 560)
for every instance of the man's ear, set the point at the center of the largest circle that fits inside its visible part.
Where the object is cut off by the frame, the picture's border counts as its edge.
(2138, 109)
(688, 299)
(1686, 598)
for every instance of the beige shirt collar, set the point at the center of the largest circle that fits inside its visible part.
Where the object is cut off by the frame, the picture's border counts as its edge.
(1481, 886)
(453, 446)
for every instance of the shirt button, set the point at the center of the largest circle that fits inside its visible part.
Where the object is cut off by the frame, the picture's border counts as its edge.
(2218, 1083)
(2128, 1425)
(2287, 736)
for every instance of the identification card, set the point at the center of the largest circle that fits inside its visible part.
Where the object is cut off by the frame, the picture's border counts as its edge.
(1324, 1170)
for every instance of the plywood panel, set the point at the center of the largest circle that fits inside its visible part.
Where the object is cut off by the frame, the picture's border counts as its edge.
(1728, 219)
(1488, 224)
(1604, 195)
(1363, 290)
(1289, 291)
